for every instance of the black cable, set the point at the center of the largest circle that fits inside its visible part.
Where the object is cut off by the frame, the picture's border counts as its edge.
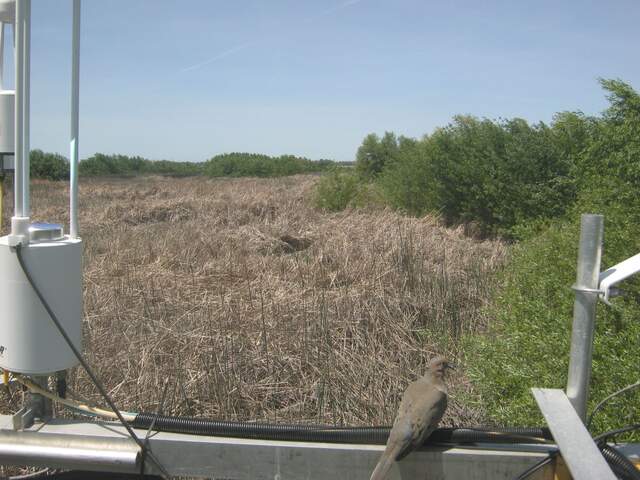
(146, 438)
(331, 434)
(610, 397)
(537, 466)
(619, 463)
(61, 385)
(618, 431)
(82, 361)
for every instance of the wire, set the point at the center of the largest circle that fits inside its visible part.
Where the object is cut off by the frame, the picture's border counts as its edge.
(613, 395)
(537, 466)
(618, 431)
(158, 413)
(599, 440)
(83, 362)
(128, 416)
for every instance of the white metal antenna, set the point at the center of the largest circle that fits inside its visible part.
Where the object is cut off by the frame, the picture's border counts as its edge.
(30, 342)
(1, 55)
(75, 97)
(19, 224)
(26, 99)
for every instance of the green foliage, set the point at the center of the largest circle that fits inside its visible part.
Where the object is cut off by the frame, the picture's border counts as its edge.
(375, 153)
(532, 183)
(51, 166)
(258, 165)
(408, 184)
(495, 174)
(337, 189)
(104, 165)
(528, 344)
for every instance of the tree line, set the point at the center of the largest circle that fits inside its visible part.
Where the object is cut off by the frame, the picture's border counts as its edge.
(258, 165)
(54, 166)
(500, 175)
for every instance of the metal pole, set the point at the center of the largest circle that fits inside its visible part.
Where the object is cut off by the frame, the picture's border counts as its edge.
(2, 55)
(59, 450)
(584, 311)
(26, 96)
(75, 97)
(19, 152)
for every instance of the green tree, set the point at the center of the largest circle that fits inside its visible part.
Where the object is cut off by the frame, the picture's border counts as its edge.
(532, 310)
(51, 166)
(499, 174)
(375, 153)
(101, 164)
(408, 182)
(257, 165)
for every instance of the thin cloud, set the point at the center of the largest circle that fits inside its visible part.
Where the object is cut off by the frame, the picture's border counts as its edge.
(243, 46)
(337, 8)
(219, 56)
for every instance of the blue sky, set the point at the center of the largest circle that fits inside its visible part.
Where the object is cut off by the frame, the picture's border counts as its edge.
(188, 79)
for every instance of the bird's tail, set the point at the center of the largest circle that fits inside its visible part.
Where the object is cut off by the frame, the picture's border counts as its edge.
(384, 464)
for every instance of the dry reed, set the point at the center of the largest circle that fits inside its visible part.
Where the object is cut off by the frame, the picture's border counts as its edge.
(254, 306)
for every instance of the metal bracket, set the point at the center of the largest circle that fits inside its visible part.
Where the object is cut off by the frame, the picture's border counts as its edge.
(617, 274)
(577, 288)
(37, 407)
(23, 418)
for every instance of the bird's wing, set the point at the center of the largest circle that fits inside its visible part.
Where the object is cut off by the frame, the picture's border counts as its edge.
(400, 438)
(425, 407)
(420, 410)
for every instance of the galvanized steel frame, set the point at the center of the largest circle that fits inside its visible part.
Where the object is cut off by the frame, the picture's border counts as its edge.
(106, 447)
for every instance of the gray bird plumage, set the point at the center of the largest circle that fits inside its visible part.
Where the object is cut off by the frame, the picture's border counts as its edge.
(421, 409)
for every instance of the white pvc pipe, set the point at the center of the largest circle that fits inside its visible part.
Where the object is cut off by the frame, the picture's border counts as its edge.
(2, 56)
(75, 97)
(26, 95)
(19, 152)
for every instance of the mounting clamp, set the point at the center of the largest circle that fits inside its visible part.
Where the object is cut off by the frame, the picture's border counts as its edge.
(616, 274)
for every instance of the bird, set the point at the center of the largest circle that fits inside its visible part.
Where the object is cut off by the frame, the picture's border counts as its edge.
(421, 409)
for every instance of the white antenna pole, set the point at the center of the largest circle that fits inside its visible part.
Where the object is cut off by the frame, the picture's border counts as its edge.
(26, 160)
(19, 152)
(75, 97)
(2, 56)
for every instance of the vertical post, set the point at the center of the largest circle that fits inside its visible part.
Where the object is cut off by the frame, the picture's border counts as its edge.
(75, 97)
(584, 311)
(19, 152)
(1, 55)
(26, 96)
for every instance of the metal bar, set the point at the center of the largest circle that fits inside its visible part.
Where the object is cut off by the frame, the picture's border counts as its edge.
(75, 98)
(26, 98)
(584, 311)
(19, 152)
(64, 451)
(250, 459)
(578, 450)
(2, 32)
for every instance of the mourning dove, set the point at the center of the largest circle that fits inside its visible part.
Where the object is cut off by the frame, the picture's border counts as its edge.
(422, 406)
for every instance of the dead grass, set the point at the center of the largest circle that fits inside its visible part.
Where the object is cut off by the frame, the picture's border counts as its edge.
(255, 306)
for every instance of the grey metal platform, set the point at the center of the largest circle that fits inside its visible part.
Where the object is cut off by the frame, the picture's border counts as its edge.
(247, 459)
